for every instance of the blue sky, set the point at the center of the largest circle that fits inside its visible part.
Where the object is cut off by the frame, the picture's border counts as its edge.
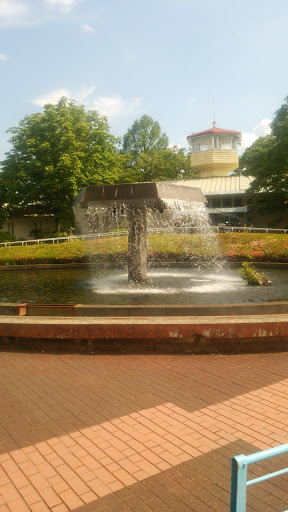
(166, 58)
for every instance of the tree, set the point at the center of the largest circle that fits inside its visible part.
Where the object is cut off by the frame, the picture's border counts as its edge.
(55, 154)
(144, 136)
(146, 156)
(266, 160)
(3, 207)
(166, 164)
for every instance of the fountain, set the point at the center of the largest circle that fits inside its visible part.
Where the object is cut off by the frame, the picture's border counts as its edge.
(193, 327)
(133, 199)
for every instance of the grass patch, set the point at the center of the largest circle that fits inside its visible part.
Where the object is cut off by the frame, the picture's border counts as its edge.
(168, 247)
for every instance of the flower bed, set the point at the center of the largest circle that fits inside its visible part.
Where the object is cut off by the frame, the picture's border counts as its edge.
(234, 247)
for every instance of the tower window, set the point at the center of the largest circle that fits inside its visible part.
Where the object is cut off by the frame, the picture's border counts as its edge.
(216, 202)
(227, 203)
(237, 201)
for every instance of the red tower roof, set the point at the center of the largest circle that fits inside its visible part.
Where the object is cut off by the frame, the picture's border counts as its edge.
(213, 130)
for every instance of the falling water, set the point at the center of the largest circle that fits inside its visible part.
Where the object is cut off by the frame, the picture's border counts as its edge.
(178, 217)
(174, 217)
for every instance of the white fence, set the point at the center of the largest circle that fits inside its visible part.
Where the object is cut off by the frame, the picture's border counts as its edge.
(188, 229)
(62, 239)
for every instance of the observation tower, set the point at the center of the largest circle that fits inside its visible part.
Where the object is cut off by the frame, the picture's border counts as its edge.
(214, 151)
(214, 156)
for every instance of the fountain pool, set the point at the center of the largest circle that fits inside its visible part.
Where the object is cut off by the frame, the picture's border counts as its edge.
(164, 286)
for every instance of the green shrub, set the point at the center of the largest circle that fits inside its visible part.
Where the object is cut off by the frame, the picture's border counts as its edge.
(37, 234)
(250, 274)
(6, 237)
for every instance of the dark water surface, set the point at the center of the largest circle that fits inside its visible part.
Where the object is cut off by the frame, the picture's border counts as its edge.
(164, 286)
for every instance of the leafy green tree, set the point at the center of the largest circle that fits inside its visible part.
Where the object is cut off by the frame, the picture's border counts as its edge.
(166, 164)
(146, 156)
(54, 155)
(266, 160)
(144, 136)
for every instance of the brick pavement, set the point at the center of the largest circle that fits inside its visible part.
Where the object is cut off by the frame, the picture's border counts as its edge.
(109, 433)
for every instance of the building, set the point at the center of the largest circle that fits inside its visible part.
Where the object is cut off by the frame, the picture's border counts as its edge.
(28, 226)
(214, 156)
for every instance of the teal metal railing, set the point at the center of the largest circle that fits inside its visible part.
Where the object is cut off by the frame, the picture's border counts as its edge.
(239, 470)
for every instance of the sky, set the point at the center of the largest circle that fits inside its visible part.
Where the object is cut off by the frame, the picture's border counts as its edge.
(169, 59)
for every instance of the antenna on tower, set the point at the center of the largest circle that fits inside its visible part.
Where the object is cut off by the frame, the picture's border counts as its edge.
(214, 122)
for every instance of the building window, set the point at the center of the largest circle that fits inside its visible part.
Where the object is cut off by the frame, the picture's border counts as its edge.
(216, 202)
(11, 228)
(237, 201)
(227, 202)
(194, 146)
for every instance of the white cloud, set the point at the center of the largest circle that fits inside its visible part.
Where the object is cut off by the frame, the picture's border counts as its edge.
(247, 140)
(86, 28)
(263, 128)
(260, 130)
(52, 97)
(3, 57)
(174, 146)
(12, 8)
(12, 11)
(84, 92)
(19, 13)
(109, 106)
(64, 5)
(116, 106)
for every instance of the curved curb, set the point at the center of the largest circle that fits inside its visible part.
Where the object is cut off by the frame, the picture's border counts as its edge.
(170, 333)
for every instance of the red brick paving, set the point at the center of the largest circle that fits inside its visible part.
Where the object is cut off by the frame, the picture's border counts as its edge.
(138, 433)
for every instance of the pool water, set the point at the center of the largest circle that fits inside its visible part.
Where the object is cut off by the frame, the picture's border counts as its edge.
(164, 286)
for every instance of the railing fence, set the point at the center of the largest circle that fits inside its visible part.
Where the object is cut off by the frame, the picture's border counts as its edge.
(186, 229)
(239, 471)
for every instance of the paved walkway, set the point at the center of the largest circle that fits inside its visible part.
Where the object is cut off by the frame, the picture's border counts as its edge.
(118, 433)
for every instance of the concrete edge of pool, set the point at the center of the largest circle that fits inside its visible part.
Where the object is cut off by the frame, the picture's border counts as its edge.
(225, 328)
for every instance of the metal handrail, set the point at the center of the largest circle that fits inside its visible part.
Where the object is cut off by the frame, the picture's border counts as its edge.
(61, 239)
(93, 236)
(251, 229)
(239, 470)
(186, 229)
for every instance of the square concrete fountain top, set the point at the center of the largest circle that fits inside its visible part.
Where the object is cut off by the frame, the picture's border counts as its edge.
(138, 193)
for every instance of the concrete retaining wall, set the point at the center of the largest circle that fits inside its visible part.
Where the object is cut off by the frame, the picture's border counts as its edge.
(185, 334)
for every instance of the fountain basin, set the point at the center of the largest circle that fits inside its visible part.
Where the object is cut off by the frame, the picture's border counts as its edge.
(131, 327)
(142, 311)
(189, 329)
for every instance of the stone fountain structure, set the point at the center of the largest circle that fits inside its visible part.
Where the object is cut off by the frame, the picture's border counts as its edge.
(135, 199)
